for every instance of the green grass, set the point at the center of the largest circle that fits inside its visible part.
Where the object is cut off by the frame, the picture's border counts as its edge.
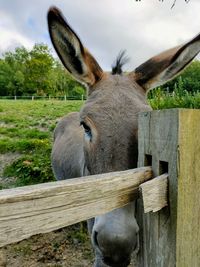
(25, 133)
(26, 127)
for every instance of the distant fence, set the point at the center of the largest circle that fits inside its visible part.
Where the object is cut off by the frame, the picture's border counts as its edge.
(64, 98)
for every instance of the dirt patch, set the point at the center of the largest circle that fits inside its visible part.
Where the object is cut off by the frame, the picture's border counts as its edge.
(5, 160)
(62, 248)
(7, 125)
(56, 249)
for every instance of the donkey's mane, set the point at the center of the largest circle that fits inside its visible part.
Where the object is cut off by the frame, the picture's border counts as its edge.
(121, 60)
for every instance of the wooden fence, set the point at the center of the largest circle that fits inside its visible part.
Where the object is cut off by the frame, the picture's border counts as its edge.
(50, 97)
(169, 142)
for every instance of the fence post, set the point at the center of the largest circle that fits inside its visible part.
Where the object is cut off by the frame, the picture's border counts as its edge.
(15, 97)
(65, 98)
(169, 141)
(32, 98)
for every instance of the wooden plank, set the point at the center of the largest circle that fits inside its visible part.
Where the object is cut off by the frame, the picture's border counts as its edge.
(30, 210)
(154, 193)
(188, 209)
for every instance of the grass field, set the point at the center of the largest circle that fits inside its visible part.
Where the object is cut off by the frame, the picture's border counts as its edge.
(26, 129)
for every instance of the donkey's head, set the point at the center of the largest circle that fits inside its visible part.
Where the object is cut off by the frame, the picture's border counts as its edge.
(109, 119)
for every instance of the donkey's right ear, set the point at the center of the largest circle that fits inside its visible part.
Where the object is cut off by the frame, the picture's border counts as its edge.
(165, 66)
(78, 61)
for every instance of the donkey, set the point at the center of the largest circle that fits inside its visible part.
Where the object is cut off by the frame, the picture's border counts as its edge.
(102, 137)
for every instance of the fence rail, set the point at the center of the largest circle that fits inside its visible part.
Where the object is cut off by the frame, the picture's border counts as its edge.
(35, 97)
(42, 208)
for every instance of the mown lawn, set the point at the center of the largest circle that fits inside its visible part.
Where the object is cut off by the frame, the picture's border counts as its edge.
(26, 128)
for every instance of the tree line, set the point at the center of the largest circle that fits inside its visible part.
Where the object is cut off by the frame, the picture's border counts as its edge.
(37, 72)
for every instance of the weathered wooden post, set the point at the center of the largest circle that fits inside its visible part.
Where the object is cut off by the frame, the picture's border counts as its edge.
(169, 140)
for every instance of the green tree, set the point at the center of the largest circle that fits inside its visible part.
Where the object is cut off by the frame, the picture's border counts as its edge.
(35, 72)
(5, 75)
(38, 69)
(12, 72)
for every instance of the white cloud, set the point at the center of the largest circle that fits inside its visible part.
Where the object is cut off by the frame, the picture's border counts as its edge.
(12, 39)
(142, 28)
(10, 35)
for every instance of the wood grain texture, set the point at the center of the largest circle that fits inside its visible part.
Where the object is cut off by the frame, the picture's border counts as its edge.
(158, 137)
(154, 193)
(188, 210)
(171, 237)
(42, 208)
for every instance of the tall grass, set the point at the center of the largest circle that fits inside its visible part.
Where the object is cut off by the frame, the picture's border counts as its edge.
(179, 98)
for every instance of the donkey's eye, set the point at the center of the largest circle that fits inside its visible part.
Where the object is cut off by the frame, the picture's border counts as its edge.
(87, 130)
(86, 127)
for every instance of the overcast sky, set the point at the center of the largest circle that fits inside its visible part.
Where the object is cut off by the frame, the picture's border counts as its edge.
(105, 27)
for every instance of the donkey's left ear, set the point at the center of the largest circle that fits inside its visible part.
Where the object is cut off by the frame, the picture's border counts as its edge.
(77, 60)
(165, 66)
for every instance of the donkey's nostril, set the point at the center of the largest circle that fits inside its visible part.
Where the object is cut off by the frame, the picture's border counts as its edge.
(121, 262)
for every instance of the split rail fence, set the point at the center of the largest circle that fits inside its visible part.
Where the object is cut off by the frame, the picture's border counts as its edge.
(169, 142)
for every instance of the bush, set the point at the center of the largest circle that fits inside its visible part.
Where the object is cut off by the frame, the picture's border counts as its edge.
(160, 99)
(31, 169)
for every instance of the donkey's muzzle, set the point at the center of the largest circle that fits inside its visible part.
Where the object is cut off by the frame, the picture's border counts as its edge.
(113, 255)
(121, 262)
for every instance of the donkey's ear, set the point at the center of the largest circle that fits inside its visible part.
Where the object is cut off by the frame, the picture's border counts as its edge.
(70, 50)
(165, 66)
